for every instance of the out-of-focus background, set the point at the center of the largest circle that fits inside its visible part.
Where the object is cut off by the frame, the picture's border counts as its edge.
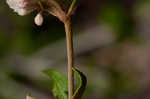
(111, 42)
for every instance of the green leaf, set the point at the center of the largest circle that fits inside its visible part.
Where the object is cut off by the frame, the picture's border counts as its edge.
(82, 81)
(60, 84)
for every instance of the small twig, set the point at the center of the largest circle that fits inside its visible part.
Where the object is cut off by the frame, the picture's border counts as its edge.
(70, 57)
(71, 8)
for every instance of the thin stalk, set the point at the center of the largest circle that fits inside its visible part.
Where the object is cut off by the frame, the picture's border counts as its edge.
(72, 8)
(70, 57)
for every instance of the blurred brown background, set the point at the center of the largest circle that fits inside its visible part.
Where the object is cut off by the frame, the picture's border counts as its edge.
(112, 47)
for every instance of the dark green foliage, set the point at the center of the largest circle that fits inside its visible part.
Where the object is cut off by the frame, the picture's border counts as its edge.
(82, 81)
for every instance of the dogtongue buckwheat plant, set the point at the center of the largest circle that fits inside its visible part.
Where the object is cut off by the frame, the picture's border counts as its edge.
(63, 88)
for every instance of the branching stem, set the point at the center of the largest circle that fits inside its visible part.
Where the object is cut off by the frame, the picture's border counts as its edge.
(66, 19)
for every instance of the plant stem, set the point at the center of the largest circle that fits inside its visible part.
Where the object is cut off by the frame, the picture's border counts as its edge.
(70, 57)
(72, 8)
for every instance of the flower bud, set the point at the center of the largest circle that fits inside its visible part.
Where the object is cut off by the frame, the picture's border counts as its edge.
(38, 19)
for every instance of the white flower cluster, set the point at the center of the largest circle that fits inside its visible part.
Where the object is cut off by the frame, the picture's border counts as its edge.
(22, 7)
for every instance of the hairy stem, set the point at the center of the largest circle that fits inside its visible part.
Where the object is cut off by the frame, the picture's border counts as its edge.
(70, 57)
